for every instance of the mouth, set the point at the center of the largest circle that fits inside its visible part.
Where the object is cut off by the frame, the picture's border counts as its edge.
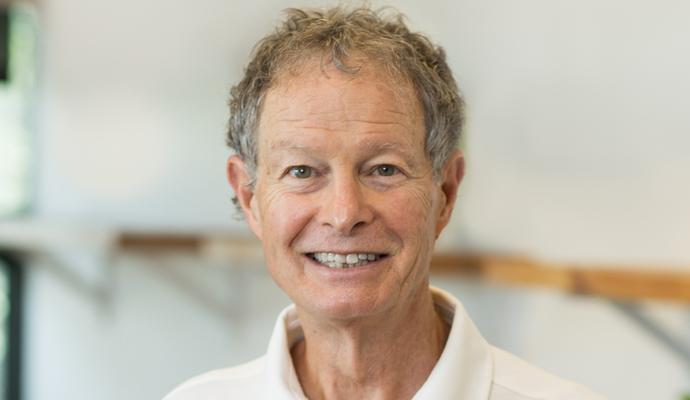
(342, 261)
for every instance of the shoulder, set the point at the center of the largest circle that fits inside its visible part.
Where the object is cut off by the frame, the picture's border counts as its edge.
(516, 379)
(245, 378)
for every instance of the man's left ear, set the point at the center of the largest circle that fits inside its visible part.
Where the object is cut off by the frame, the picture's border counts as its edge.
(453, 172)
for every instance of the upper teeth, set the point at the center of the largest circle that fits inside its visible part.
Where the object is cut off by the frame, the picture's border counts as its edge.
(335, 260)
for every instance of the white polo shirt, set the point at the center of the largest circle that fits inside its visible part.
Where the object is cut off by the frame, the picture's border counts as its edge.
(469, 369)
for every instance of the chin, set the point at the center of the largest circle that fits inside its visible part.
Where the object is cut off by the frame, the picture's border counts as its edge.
(345, 305)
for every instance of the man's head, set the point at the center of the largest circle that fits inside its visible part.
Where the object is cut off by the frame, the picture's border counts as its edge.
(345, 174)
(350, 40)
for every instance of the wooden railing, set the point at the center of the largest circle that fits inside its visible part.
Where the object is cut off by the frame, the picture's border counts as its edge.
(610, 281)
(616, 282)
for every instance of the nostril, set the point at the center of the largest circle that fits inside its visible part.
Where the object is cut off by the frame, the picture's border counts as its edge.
(358, 225)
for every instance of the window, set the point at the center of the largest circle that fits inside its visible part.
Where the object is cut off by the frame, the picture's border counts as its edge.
(17, 77)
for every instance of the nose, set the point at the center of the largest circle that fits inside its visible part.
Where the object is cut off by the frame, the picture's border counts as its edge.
(346, 207)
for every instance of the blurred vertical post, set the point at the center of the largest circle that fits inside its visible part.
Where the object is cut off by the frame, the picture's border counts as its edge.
(10, 322)
(4, 42)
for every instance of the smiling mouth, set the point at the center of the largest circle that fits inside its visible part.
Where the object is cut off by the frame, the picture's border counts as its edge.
(340, 261)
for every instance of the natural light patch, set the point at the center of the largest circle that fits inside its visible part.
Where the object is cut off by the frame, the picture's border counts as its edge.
(15, 107)
(13, 169)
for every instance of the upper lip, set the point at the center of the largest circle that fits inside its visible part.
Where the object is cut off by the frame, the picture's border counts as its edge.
(359, 251)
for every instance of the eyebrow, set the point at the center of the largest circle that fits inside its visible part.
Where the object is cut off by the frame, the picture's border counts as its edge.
(371, 149)
(392, 147)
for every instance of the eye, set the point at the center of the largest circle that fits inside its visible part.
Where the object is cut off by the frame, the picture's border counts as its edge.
(386, 170)
(301, 171)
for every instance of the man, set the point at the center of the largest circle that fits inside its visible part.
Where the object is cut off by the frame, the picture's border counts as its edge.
(345, 128)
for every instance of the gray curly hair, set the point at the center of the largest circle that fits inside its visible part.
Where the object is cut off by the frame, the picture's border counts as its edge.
(341, 36)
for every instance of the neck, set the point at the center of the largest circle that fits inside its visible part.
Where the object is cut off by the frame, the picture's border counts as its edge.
(384, 357)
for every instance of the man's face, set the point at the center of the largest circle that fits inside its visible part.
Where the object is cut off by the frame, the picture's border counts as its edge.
(345, 202)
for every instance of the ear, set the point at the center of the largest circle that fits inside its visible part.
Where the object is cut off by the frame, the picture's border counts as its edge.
(453, 172)
(241, 183)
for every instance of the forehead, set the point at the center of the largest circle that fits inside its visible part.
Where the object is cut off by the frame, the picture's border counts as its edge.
(321, 96)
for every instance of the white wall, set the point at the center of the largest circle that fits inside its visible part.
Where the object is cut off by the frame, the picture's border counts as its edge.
(148, 335)
(168, 319)
(577, 127)
(576, 142)
(576, 138)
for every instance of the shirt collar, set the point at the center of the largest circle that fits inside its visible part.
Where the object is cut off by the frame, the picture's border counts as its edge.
(464, 370)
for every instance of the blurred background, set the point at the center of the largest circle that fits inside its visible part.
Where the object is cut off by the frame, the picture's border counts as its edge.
(123, 271)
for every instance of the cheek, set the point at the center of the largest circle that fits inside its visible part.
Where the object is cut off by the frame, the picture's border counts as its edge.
(411, 215)
(284, 217)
